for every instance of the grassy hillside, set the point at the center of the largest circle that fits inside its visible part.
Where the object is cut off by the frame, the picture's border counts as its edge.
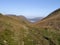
(50, 26)
(17, 30)
(52, 20)
(13, 32)
(21, 18)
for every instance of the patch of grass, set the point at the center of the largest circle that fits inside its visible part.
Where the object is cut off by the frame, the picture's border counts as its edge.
(6, 37)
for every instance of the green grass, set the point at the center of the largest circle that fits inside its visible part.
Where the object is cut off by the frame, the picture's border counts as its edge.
(6, 37)
(17, 32)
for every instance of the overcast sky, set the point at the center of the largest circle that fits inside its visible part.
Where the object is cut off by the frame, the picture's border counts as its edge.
(29, 8)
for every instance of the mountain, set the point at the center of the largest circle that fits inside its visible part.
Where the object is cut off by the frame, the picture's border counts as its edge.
(35, 19)
(21, 18)
(50, 27)
(12, 30)
(53, 19)
(17, 30)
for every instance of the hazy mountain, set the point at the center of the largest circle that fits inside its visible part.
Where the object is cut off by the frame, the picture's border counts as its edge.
(35, 19)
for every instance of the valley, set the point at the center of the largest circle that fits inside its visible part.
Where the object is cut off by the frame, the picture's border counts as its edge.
(18, 30)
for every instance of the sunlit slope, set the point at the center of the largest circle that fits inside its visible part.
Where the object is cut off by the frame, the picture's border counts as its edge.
(21, 18)
(52, 20)
(13, 32)
(50, 27)
(17, 30)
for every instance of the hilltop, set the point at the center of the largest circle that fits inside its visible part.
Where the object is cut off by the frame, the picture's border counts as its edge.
(21, 18)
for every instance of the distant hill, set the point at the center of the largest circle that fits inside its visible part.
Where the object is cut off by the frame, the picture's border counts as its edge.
(35, 19)
(21, 18)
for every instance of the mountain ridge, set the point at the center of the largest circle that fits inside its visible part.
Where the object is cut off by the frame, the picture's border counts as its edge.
(51, 17)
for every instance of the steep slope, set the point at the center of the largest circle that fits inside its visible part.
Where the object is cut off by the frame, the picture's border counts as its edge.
(54, 13)
(52, 20)
(50, 27)
(21, 18)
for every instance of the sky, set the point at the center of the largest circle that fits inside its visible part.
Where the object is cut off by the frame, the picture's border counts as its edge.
(29, 8)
